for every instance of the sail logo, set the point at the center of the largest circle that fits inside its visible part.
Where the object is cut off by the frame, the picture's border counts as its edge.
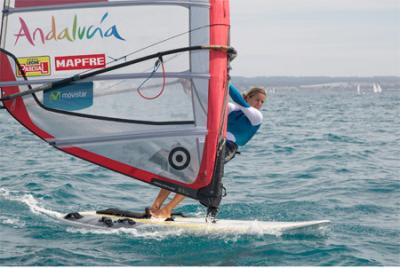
(75, 32)
(69, 98)
(55, 96)
(79, 62)
(34, 66)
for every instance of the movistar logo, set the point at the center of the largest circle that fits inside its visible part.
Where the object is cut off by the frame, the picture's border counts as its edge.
(74, 32)
(69, 98)
(55, 95)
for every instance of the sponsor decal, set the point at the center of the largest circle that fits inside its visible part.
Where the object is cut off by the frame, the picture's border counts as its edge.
(179, 158)
(34, 66)
(66, 63)
(74, 32)
(69, 98)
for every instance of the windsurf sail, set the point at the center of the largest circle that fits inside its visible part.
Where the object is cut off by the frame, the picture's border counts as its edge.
(138, 87)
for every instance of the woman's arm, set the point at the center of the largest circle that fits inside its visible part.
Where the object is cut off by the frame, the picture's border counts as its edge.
(237, 97)
(255, 116)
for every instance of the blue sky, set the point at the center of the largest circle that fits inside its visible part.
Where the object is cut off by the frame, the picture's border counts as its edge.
(315, 37)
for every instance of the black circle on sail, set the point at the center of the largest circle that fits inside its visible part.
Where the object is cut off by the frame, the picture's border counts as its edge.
(179, 158)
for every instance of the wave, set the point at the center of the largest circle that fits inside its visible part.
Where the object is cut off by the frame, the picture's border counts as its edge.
(28, 200)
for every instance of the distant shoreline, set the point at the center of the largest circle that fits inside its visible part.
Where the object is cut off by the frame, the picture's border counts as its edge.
(316, 81)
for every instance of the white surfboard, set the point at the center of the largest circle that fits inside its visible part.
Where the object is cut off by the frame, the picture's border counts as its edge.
(95, 219)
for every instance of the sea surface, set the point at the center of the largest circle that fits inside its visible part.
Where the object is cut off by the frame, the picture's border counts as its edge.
(320, 154)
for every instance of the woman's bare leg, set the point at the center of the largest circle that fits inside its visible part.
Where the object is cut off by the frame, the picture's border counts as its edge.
(162, 195)
(166, 211)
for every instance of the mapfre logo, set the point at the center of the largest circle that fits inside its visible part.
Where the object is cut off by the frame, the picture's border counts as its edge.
(34, 66)
(79, 62)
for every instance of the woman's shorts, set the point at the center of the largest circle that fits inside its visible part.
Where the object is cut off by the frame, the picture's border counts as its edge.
(230, 150)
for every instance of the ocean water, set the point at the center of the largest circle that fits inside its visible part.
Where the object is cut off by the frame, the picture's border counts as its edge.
(328, 154)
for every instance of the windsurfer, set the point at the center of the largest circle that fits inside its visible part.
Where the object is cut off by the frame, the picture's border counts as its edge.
(244, 119)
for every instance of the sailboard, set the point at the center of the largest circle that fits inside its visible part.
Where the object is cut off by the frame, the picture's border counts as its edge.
(116, 219)
(137, 87)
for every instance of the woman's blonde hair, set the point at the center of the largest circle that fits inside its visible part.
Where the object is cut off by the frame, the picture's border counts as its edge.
(254, 91)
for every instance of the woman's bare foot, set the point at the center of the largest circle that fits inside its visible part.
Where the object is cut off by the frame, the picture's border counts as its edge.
(163, 213)
(153, 209)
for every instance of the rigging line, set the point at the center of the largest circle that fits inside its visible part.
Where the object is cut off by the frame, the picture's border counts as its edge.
(160, 42)
(123, 90)
(156, 66)
(167, 39)
(146, 70)
(78, 77)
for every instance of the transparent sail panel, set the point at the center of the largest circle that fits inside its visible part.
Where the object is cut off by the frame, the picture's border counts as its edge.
(141, 99)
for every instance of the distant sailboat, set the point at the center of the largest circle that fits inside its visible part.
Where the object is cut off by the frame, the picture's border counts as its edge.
(358, 89)
(377, 88)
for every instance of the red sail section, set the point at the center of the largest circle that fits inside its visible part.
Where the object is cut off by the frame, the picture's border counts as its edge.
(33, 3)
(16, 107)
(219, 35)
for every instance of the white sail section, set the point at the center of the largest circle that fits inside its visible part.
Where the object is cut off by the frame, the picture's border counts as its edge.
(146, 119)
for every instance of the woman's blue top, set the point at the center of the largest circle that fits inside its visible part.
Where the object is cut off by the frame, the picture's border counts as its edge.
(243, 120)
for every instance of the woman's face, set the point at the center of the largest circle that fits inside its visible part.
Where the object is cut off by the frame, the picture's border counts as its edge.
(256, 101)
